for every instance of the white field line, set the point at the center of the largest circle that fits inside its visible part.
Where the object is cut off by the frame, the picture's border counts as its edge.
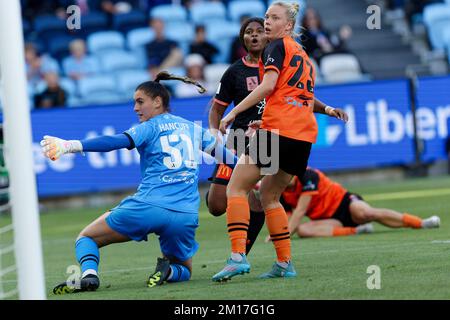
(407, 194)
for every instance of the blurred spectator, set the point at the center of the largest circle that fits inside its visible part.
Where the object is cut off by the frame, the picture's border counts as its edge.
(53, 95)
(33, 8)
(317, 41)
(413, 7)
(237, 50)
(113, 7)
(37, 65)
(79, 64)
(194, 64)
(447, 151)
(161, 52)
(201, 46)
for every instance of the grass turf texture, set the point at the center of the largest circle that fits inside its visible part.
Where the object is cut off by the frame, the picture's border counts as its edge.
(414, 263)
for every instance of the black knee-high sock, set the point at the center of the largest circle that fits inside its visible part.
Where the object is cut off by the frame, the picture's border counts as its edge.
(256, 223)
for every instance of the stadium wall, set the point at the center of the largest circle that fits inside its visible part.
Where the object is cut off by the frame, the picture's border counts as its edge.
(379, 135)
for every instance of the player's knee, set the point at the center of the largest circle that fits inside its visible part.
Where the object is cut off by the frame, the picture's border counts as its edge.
(215, 208)
(216, 211)
(367, 215)
(303, 231)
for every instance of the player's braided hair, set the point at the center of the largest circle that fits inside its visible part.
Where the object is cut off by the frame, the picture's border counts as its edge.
(155, 89)
(164, 75)
(245, 25)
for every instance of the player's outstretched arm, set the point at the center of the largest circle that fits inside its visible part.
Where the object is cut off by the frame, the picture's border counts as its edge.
(262, 91)
(54, 147)
(320, 107)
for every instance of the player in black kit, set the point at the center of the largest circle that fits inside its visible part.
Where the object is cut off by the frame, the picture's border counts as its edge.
(241, 78)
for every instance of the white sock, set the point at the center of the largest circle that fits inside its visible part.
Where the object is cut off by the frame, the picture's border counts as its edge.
(236, 257)
(89, 271)
(170, 273)
(283, 264)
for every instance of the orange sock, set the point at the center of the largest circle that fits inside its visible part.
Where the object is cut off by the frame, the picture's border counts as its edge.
(411, 221)
(343, 231)
(238, 219)
(277, 223)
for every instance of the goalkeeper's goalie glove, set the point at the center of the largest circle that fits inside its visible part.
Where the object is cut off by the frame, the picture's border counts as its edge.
(53, 147)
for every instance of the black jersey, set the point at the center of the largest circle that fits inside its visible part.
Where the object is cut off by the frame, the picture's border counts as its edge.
(237, 82)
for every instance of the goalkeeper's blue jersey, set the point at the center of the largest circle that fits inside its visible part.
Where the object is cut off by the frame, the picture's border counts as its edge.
(169, 149)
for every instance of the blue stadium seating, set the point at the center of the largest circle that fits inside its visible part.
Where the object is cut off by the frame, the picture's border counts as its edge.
(447, 42)
(202, 12)
(221, 33)
(139, 37)
(169, 13)
(98, 90)
(69, 86)
(181, 32)
(96, 84)
(48, 27)
(128, 80)
(436, 17)
(102, 98)
(105, 40)
(58, 47)
(93, 22)
(119, 60)
(66, 83)
(238, 8)
(127, 21)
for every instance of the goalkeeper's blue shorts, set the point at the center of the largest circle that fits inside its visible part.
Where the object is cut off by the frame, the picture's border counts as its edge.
(176, 230)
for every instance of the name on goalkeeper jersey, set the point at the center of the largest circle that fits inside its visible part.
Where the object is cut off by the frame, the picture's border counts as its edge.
(173, 126)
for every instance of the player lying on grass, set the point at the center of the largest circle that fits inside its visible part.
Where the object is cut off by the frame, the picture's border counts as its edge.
(334, 211)
(167, 200)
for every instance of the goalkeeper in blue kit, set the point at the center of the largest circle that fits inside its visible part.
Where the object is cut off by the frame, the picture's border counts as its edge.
(167, 200)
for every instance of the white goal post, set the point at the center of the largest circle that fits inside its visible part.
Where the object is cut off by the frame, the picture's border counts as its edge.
(19, 156)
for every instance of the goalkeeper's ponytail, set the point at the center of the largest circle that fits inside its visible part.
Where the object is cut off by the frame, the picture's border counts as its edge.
(155, 89)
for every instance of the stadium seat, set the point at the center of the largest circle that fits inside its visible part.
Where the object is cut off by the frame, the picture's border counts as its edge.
(179, 71)
(214, 72)
(447, 41)
(26, 26)
(202, 12)
(319, 76)
(105, 40)
(181, 32)
(102, 98)
(238, 8)
(139, 37)
(169, 13)
(128, 80)
(127, 21)
(96, 85)
(93, 22)
(221, 33)
(436, 18)
(58, 47)
(119, 60)
(66, 83)
(341, 67)
(49, 26)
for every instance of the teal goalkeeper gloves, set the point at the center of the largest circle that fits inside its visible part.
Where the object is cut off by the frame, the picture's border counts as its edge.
(53, 147)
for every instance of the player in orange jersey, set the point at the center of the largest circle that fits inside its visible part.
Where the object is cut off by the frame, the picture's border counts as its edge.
(280, 148)
(334, 211)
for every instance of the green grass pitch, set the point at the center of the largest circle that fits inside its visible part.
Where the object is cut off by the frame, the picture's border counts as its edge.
(414, 264)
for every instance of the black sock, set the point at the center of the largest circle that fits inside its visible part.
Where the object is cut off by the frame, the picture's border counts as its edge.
(257, 219)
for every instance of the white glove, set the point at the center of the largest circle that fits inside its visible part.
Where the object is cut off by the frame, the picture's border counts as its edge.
(53, 147)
